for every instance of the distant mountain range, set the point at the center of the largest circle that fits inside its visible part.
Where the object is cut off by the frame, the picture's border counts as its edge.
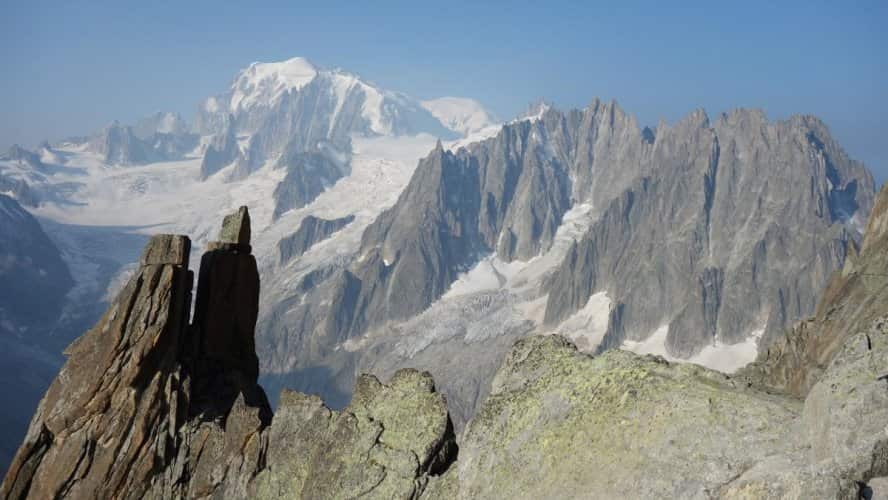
(391, 232)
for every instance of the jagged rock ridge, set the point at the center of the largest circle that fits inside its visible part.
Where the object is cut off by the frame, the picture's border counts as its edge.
(714, 230)
(150, 406)
(120, 144)
(707, 190)
(737, 246)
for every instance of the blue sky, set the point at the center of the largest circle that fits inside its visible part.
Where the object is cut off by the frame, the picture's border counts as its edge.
(72, 67)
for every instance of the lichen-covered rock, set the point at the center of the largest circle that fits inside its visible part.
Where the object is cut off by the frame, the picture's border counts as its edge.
(844, 427)
(561, 424)
(386, 444)
(846, 412)
(236, 227)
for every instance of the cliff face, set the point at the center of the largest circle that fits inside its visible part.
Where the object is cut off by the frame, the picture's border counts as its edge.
(853, 298)
(700, 236)
(718, 237)
(149, 405)
(311, 230)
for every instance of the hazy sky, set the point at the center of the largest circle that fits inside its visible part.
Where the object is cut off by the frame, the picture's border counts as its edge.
(71, 67)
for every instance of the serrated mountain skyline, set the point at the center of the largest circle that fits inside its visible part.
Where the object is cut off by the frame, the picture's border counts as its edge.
(390, 231)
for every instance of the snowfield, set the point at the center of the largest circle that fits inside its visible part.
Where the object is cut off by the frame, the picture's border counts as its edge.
(727, 358)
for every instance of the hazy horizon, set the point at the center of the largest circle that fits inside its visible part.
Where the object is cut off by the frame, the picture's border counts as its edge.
(78, 68)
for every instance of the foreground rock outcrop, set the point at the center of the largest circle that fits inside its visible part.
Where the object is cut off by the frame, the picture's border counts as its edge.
(562, 424)
(149, 405)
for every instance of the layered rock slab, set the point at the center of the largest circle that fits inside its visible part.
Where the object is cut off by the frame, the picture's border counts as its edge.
(103, 428)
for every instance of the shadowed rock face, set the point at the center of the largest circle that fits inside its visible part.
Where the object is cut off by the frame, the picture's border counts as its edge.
(854, 297)
(311, 230)
(150, 406)
(309, 173)
(718, 237)
(34, 277)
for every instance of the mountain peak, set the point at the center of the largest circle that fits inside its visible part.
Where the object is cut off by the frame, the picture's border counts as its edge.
(535, 111)
(460, 114)
(289, 67)
(264, 82)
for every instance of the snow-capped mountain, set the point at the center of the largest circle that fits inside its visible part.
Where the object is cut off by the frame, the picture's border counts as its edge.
(289, 139)
(393, 232)
(341, 100)
(692, 241)
(462, 115)
(294, 100)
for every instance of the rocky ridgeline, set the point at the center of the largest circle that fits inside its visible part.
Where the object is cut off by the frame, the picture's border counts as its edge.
(149, 405)
(152, 406)
(717, 230)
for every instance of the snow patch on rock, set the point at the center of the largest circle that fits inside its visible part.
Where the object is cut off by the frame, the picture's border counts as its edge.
(726, 358)
(586, 327)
